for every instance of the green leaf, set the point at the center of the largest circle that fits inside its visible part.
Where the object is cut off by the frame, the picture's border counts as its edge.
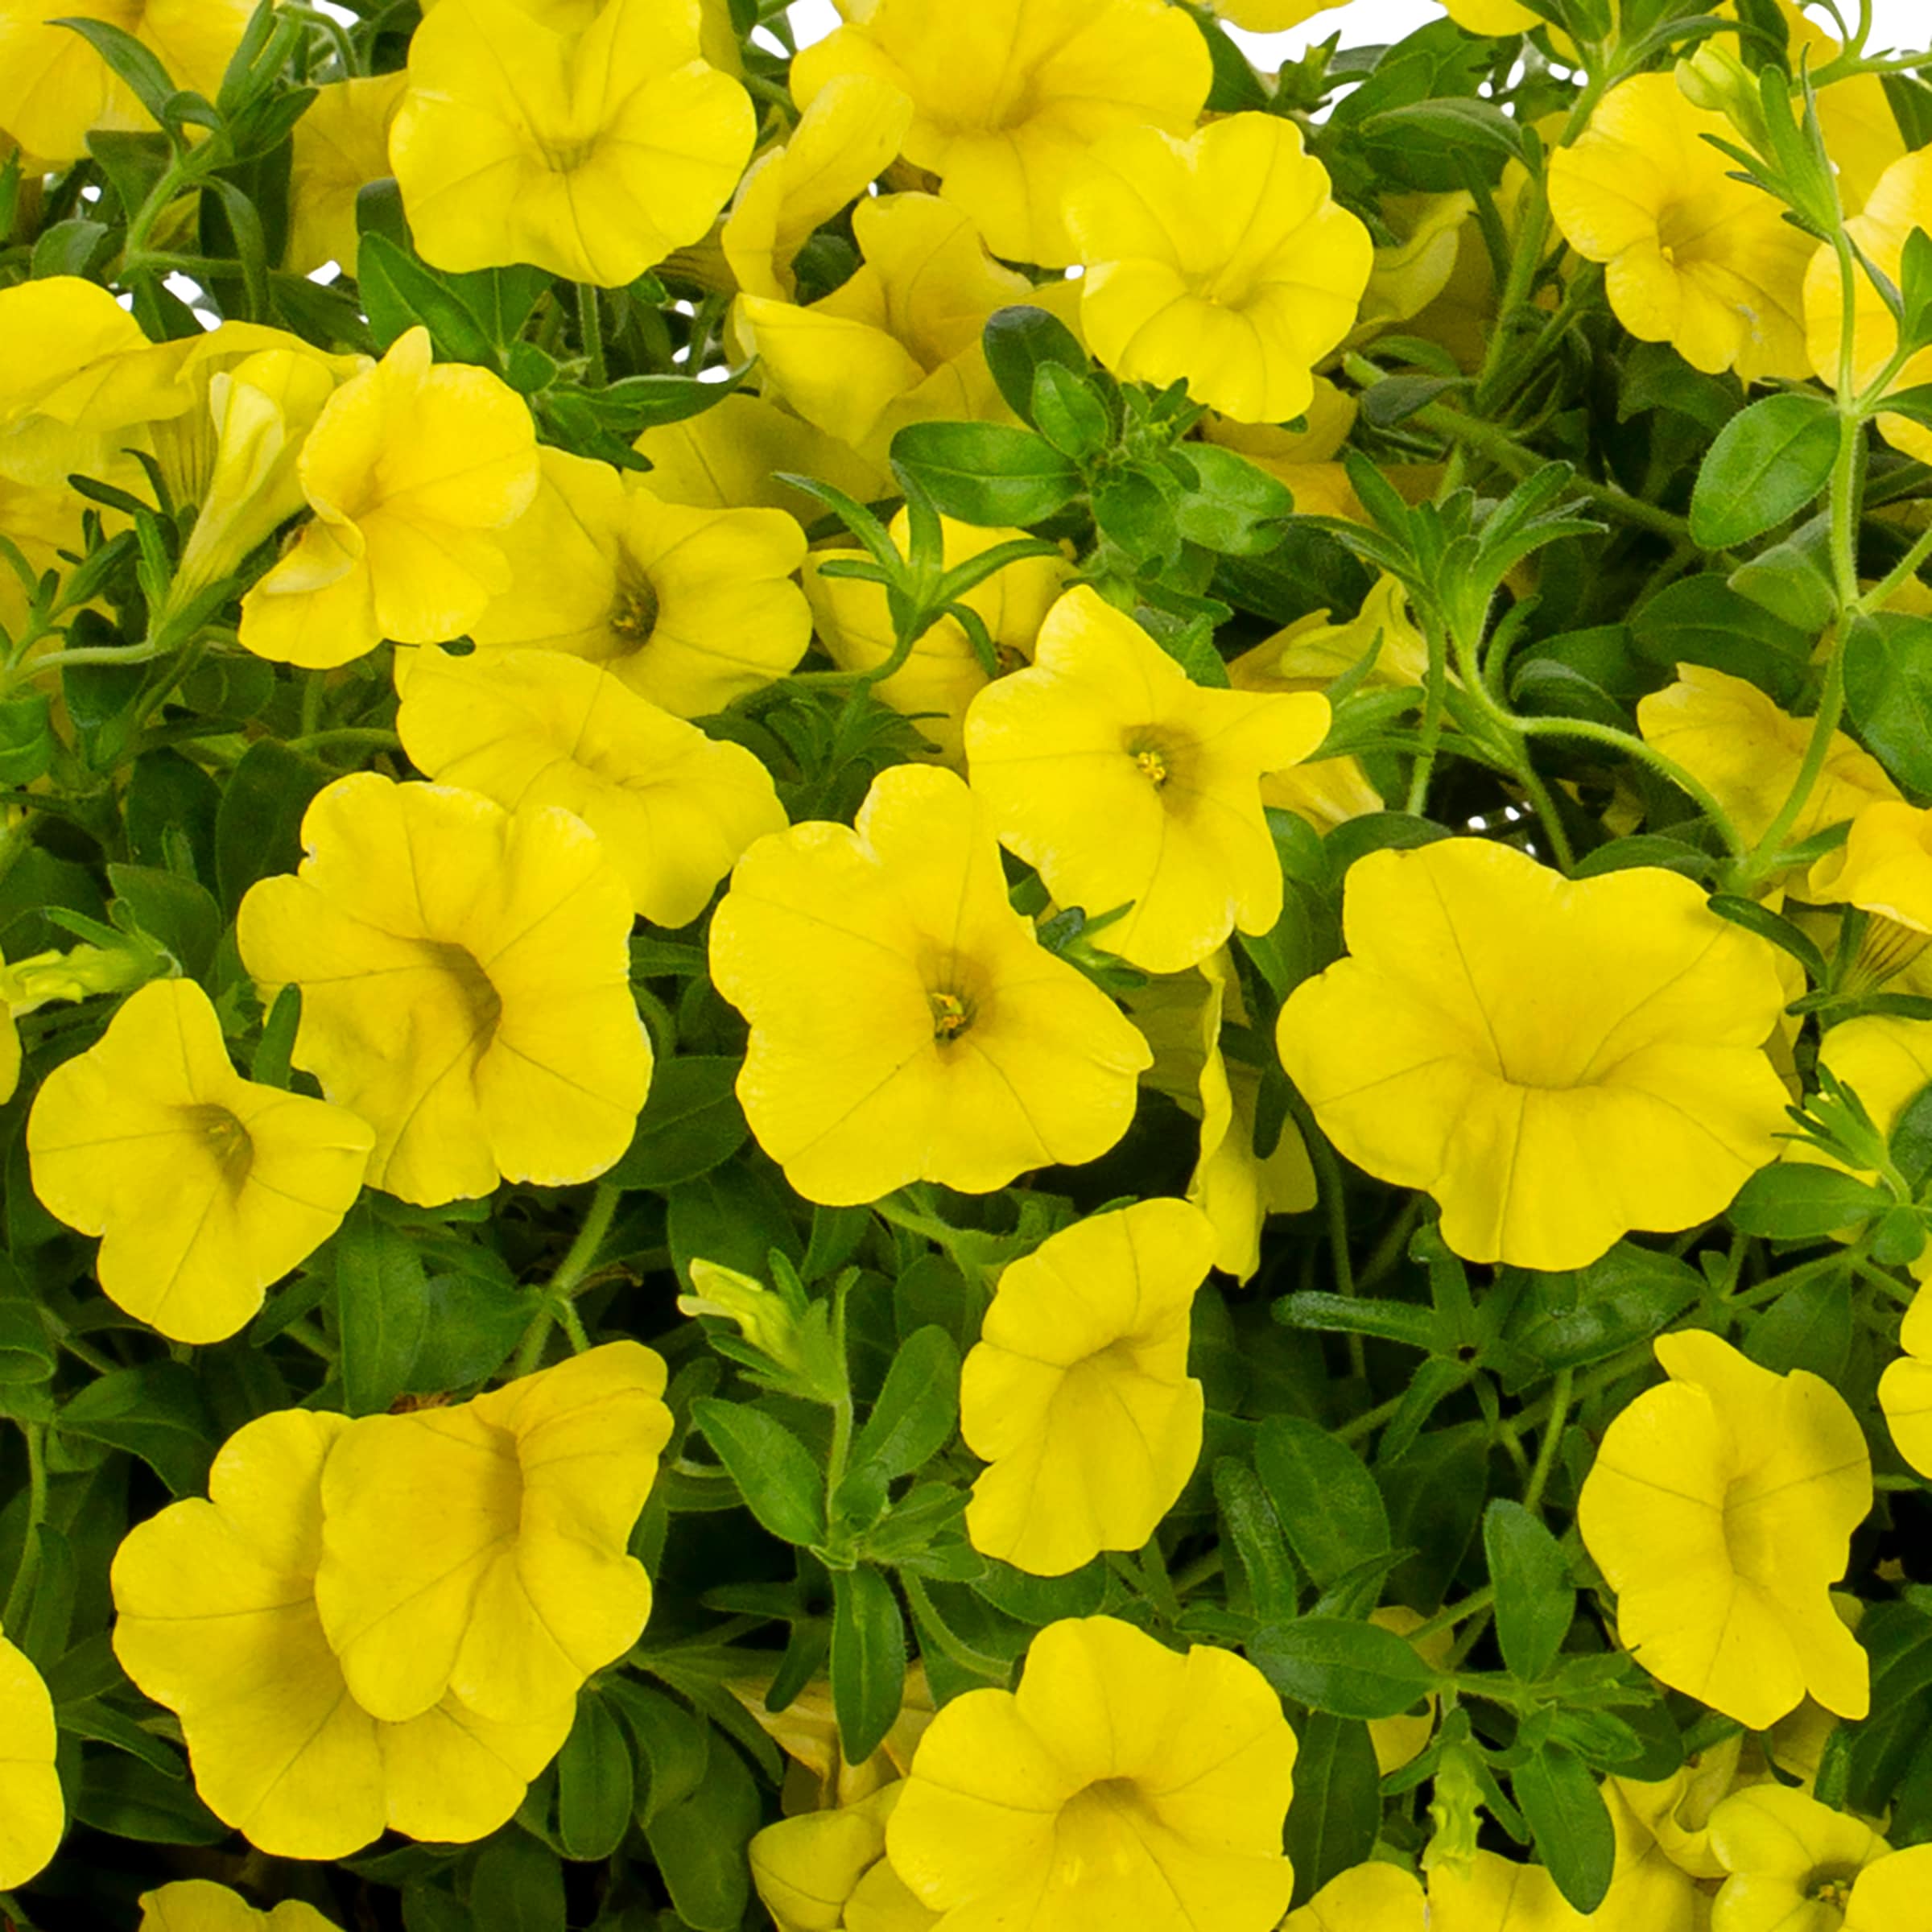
(700, 1844)
(913, 1419)
(473, 1320)
(27, 738)
(176, 913)
(1912, 1138)
(1337, 1813)
(1068, 412)
(1701, 620)
(1888, 689)
(1810, 1325)
(868, 1659)
(1569, 1823)
(1236, 507)
(1798, 1201)
(156, 1412)
(1019, 342)
(691, 1123)
(1349, 1669)
(168, 811)
(1534, 1601)
(1779, 931)
(1458, 121)
(1572, 1319)
(1325, 1498)
(398, 292)
(987, 473)
(1255, 1548)
(147, 78)
(775, 1474)
(1768, 461)
(27, 1355)
(596, 1792)
(381, 1309)
(673, 1746)
(517, 1886)
(1403, 1321)
(127, 1798)
(257, 830)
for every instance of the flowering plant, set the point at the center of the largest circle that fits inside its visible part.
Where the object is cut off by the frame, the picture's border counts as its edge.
(969, 979)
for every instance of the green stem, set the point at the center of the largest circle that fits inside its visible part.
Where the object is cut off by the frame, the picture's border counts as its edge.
(18, 1597)
(590, 326)
(346, 737)
(313, 692)
(583, 1251)
(1560, 1395)
(1452, 1614)
(1633, 747)
(1882, 592)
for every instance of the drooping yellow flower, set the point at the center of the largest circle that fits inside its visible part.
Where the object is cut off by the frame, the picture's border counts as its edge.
(1904, 1391)
(1410, 272)
(671, 808)
(1232, 1184)
(465, 984)
(198, 1905)
(78, 375)
(730, 457)
(1725, 731)
(479, 1550)
(55, 89)
(905, 1023)
(1009, 95)
(341, 144)
(592, 151)
(1884, 866)
(1311, 653)
(825, 1870)
(1692, 257)
(33, 1815)
(1794, 1864)
(689, 607)
(849, 132)
(899, 340)
(218, 1622)
(1557, 1061)
(1127, 784)
(1900, 203)
(1374, 1897)
(409, 470)
(203, 1188)
(943, 674)
(1077, 1392)
(1121, 1784)
(1221, 261)
(1719, 1509)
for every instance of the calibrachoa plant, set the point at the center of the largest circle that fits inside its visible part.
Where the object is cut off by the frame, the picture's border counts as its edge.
(975, 982)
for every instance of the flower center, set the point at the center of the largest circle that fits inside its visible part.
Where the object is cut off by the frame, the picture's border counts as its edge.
(227, 1140)
(1159, 755)
(1832, 1889)
(566, 157)
(952, 1015)
(1100, 1832)
(480, 1003)
(634, 616)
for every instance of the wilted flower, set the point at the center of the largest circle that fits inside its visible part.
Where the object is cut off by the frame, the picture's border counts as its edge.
(1720, 1510)
(205, 1188)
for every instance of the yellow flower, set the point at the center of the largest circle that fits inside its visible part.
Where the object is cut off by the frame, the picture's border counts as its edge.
(730, 456)
(1374, 1897)
(1720, 1510)
(1493, 17)
(689, 607)
(479, 1550)
(1727, 733)
(1677, 1810)
(1884, 866)
(1127, 784)
(55, 89)
(672, 808)
(341, 144)
(1235, 1188)
(1078, 1393)
(465, 984)
(1120, 1784)
(78, 375)
(849, 132)
(898, 341)
(196, 1905)
(1311, 653)
(408, 469)
(591, 151)
(218, 1622)
(1892, 1894)
(1557, 1061)
(827, 1870)
(42, 522)
(1413, 271)
(1221, 261)
(1694, 256)
(33, 1814)
(906, 1024)
(1496, 1894)
(806, 1730)
(943, 674)
(1793, 1863)
(1007, 96)
(1904, 1391)
(205, 1188)
(1900, 203)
